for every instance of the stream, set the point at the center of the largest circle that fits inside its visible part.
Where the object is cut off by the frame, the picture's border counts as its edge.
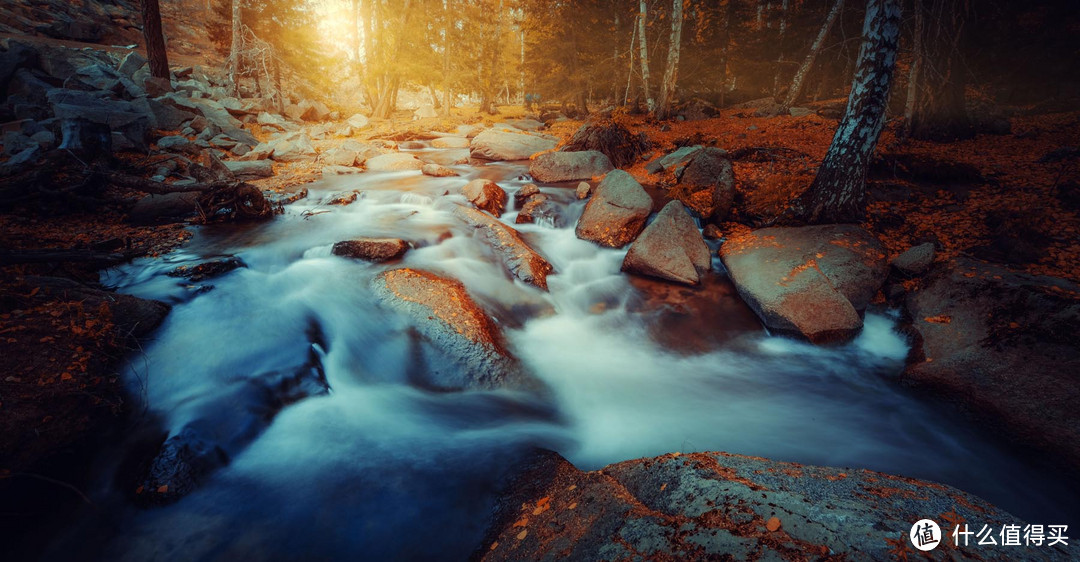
(380, 468)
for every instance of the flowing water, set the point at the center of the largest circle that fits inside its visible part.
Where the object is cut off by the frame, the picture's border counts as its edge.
(379, 468)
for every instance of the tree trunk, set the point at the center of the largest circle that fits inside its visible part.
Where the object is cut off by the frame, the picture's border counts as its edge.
(780, 45)
(630, 73)
(155, 41)
(671, 72)
(838, 193)
(447, 11)
(815, 48)
(725, 50)
(644, 52)
(234, 49)
(940, 112)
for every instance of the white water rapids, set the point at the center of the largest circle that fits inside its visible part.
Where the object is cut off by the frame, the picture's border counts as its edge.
(381, 469)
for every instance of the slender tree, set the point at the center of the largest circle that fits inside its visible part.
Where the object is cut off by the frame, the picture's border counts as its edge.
(234, 49)
(155, 41)
(671, 71)
(939, 110)
(815, 48)
(643, 15)
(838, 193)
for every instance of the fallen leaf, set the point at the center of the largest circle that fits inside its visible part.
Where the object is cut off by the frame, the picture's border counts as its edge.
(522, 534)
(772, 524)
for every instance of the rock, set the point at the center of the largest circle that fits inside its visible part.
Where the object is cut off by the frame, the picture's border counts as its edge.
(916, 260)
(250, 170)
(169, 117)
(393, 162)
(569, 166)
(133, 316)
(132, 61)
(208, 269)
(437, 171)
(371, 249)
(445, 315)
(308, 110)
(706, 184)
(583, 190)
(800, 111)
(299, 149)
(222, 426)
(425, 111)
(670, 248)
(450, 142)
(517, 256)
(223, 142)
(358, 121)
(812, 282)
(339, 157)
(616, 213)
(270, 120)
(1002, 345)
(722, 506)
(21, 161)
(331, 170)
(119, 116)
(527, 124)
(44, 139)
(170, 207)
(540, 209)
(522, 195)
(342, 199)
(261, 151)
(177, 143)
(486, 195)
(678, 158)
(503, 145)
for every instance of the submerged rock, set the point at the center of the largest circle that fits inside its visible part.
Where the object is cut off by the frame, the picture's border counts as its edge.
(569, 166)
(371, 249)
(437, 171)
(494, 144)
(539, 208)
(670, 248)
(616, 213)
(222, 427)
(812, 281)
(208, 269)
(486, 195)
(445, 314)
(1004, 346)
(516, 255)
(723, 506)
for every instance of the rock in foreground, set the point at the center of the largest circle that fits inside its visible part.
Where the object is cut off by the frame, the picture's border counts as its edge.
(811, 281)
(486, 195)
(445, 314)
(517, 256)
(371, 249)
(670, 248)
(721, 506)
(493, 144)
(1004, 345)
(569, 166)
(616, 213)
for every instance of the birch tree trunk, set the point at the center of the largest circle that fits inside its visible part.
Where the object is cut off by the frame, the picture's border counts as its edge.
(838, 193)
(916, 62)
(815, 48)
(780, 45)
(234, 49)
(155, 41)
(644, 52)
(671, 71)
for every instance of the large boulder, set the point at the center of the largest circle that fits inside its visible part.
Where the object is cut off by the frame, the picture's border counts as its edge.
(119, 116)
(569, 166)
(704, 506)
(616, 213)
(1004, 346)
(293, 150)
(516, 255)
(371, 249)
(450, 142)
(812, 281)
(445, 315)
(670, 248)
(493, 144)
(393, 162)
(486, 195)
(707, 184)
